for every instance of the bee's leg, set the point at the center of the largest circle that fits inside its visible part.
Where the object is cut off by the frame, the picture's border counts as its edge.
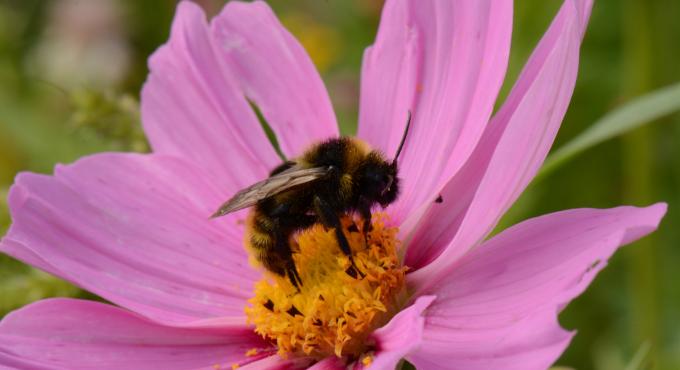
(329, 218)
(306, 221)
(285, 254)
(365, 212)
(281, 263)
(293, 275)
(291, 270)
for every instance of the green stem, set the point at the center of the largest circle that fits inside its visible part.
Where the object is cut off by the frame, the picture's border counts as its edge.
(637, 177)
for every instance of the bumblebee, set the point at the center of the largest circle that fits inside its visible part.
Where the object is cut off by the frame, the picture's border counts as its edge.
(335, 177)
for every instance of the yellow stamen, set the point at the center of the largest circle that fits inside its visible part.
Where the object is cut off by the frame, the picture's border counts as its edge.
(367, 360)
(333, 313)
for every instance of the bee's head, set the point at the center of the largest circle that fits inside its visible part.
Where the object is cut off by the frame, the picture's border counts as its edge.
(390, 191)
(379, 181)
(379, 177)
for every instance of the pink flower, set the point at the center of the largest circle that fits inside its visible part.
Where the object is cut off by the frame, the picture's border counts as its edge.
(133, 228)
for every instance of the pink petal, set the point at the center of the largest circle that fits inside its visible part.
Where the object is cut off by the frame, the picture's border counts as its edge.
(9, 361)
(275, 362)
(134, 229)
(329, 363)
(191, 108)
(444, 61)
(76, 334)
(497, 308)
(401, 336)
(275, 72)
(509, 154)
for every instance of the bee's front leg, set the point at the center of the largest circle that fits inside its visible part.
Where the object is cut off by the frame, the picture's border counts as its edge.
(329, 218)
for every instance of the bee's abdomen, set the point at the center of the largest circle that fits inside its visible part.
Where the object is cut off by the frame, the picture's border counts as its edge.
(262, 231)
(262, 242)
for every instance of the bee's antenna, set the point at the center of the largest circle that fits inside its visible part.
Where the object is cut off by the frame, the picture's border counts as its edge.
(403, 138)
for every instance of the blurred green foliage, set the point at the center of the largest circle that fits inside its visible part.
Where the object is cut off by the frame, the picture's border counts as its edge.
(109, 117)
(628, 317)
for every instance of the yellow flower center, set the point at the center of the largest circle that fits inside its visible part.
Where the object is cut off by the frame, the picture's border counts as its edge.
(333, 313)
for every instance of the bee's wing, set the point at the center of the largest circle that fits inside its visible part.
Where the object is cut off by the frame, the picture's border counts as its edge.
(269, 187)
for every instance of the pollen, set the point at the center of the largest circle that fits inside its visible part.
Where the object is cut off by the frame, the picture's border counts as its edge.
(335, 310)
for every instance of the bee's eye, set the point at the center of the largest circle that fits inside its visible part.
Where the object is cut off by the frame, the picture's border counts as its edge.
(375, 177)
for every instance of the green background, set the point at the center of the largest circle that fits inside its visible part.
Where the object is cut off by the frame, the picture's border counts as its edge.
(628, 318)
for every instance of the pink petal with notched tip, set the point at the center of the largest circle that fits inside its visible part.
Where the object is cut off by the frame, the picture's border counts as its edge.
(509, 154)
(77, 334)
(134, 229)
(444, 61)
(275, 72)
(388, 80)
(401, 336)
(191, 108)
(396, 339)
(498, 306)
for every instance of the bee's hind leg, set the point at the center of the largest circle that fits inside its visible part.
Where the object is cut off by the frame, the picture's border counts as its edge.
(291, 270)
(365, 212)
(293, 275)
(284, 257)
(329, 218)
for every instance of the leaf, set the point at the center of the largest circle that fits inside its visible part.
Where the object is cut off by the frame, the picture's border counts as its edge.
(19, 288)
(640, 358)
(640, 111)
